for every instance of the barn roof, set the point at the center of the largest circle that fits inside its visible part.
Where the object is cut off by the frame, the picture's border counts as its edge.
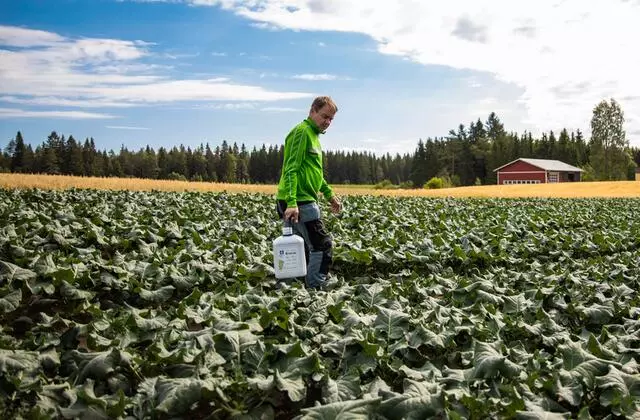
(546, 164)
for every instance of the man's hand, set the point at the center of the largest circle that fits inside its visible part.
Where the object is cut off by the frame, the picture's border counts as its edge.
(291, 213)
(336, 205)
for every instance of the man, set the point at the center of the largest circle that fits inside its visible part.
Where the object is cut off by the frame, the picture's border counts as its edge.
(301, 180)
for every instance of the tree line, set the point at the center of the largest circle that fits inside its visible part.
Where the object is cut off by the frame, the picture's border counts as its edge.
(224, 163)
(467, 155)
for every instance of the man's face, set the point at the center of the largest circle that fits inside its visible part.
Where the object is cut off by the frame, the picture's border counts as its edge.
(323, 117)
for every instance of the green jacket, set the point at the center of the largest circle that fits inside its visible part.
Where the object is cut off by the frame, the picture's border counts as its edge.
(302, 175)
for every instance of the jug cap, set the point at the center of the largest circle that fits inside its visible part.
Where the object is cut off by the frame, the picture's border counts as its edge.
(287, 230)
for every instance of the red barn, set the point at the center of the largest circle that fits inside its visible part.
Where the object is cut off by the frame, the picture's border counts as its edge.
(537, 171)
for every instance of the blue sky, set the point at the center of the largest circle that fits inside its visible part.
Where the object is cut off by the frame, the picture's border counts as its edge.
(163, 73)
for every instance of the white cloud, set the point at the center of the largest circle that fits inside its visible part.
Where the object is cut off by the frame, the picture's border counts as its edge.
(565, 55)
(245, 106)
(126, 127)
(308, 76)
(473, 82)
(23, 37)
(318, 76)
(189, 90)
(230, 106)
(43, 68)
(55, 101)
(233, 106)
(74, 115)
(179, 56)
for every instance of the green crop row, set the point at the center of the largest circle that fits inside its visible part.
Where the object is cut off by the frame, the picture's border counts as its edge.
(161, 305)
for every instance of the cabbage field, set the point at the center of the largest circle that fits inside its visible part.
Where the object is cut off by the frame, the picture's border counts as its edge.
(157, 305)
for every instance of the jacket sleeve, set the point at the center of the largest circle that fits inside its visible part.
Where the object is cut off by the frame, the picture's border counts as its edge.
(295, 148)
(326, 190)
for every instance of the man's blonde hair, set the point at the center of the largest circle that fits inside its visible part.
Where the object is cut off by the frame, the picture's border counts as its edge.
(321, 101)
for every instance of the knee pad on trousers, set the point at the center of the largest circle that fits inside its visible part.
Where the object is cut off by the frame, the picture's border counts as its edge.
(325, 244)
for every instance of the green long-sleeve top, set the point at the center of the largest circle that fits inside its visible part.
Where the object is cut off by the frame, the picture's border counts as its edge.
(302, 176)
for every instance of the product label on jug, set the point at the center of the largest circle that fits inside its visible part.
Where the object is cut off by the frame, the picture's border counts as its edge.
(287, 259)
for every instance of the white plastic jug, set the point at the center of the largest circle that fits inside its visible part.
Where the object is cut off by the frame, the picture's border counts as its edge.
(288, 255)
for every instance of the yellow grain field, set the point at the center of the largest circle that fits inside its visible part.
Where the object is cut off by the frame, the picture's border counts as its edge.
(133, 184)
(567, 190)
